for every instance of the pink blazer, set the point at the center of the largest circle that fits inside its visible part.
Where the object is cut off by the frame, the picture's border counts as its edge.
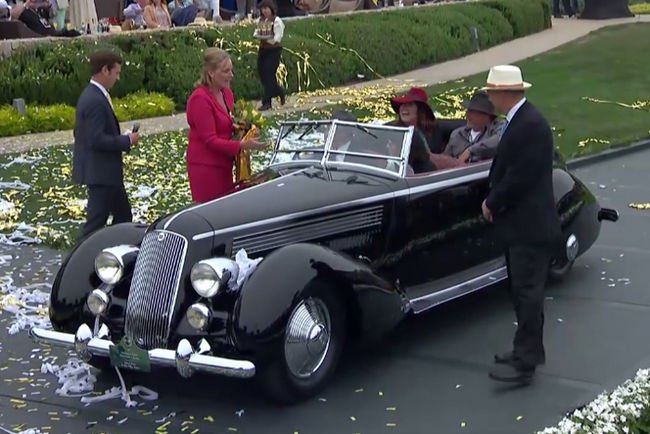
(211, 129)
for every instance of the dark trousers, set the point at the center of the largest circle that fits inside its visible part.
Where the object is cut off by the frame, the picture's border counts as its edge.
(268, 61)
(105, 200)
(568, 10)
(527, 271)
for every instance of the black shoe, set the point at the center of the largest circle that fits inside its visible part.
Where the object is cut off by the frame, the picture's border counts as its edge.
(505, 358)
(283, 98)
(512, 374)
(264, 107)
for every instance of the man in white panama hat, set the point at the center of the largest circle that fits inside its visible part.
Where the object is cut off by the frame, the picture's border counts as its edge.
(522, 207)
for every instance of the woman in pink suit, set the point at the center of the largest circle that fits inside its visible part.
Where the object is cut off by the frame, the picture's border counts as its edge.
(211, 150)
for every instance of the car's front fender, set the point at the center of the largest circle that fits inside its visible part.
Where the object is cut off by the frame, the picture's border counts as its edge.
(76, 277)
(268, 297)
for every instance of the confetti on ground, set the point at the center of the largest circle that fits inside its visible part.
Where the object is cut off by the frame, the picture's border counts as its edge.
(519, 418)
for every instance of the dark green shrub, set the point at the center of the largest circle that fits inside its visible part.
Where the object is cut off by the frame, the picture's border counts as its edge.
(319, 52)
(39, 119)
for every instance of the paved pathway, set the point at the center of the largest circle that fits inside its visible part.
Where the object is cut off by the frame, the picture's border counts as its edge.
(562, 32)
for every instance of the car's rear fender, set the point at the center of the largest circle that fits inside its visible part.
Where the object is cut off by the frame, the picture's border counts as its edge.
(269, 295)
(578, 209)
(76, 277)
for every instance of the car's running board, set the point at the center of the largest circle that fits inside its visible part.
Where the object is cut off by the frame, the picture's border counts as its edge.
(426, 302)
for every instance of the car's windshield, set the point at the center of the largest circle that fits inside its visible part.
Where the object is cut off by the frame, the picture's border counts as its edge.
(301, 141)
(369, 145)
(335, 142)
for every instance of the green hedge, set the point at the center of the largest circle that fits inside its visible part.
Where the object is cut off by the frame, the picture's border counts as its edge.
(319, 52)
(55, 117)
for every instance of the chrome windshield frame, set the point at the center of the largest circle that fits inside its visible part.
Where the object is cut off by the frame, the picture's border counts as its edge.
(325, 160)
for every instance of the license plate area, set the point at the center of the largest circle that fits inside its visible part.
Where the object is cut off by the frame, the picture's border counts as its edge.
(128, 355)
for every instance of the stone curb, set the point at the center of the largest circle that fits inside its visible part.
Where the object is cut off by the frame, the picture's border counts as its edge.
(607, 154)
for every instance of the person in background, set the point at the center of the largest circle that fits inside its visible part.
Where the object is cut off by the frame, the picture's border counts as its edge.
(99, 145)
(60, 8)
(156, 15)
(135, 13)
(478, 140)
(210, 8)
(5, 10)
(211, 149)
(26, 13)
(183, 12)
(568, 10)
(269, 31)
(521, 204)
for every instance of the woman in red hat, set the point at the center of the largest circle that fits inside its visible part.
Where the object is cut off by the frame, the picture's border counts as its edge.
(413, 109)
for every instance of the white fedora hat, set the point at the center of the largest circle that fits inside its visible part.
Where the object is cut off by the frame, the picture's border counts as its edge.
(506, 77)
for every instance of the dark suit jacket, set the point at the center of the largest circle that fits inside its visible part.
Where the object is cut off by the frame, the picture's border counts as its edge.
(98, 145)
(521, 181)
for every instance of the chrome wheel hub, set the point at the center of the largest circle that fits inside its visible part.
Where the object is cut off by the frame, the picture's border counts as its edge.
(307, 338)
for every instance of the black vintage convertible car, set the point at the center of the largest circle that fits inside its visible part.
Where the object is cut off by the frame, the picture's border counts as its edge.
(336, 239)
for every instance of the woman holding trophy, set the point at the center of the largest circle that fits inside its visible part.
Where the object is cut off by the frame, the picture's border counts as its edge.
(212, 150)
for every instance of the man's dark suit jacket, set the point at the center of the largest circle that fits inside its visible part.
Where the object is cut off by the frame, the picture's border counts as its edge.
(98, 145)
(521, 181)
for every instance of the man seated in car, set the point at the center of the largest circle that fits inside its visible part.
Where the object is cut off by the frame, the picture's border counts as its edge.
(478, 139)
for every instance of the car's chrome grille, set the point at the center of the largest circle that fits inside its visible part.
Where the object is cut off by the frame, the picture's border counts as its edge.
(153, 289)
(312, 229)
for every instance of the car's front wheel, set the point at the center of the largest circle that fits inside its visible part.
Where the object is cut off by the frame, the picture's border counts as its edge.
(313, 342)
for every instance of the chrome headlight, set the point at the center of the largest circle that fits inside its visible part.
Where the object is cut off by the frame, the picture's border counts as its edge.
(111, 262)
(198, 315)
(97, 301)
(210, 275)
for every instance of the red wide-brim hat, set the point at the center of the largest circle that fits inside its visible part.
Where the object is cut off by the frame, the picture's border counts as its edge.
(416, 95)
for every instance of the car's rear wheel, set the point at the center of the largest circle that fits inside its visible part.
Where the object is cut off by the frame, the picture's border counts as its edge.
(313, 341)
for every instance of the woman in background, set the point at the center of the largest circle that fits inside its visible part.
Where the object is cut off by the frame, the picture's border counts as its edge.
(156, 15)
(269, 31)
(211, 150)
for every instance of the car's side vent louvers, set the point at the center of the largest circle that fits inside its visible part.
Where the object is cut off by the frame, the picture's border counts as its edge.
(342, 223)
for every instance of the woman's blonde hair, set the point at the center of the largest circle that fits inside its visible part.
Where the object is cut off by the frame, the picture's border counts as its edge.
(212, 58)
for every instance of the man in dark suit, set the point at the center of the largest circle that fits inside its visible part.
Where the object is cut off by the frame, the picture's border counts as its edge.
(521, 204)
(98, 146)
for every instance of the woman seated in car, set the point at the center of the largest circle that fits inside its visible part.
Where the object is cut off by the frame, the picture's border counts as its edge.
(477, 140)
(413, 109)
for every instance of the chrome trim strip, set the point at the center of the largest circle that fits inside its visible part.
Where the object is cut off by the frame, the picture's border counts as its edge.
(171, 219)
(384, 196)
(426, 302)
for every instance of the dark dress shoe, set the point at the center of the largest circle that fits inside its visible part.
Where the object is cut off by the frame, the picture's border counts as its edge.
(506, 358)
(264, 107)
(513, 374)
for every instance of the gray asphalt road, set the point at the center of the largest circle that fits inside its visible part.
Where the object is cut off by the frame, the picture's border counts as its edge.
(428, 376)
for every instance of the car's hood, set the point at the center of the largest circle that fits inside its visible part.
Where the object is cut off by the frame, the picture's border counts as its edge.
(271, 194)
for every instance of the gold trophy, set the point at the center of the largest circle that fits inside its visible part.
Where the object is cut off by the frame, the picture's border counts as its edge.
(243, 160)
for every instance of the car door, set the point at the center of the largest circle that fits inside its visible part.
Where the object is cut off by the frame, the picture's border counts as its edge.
(446, 240)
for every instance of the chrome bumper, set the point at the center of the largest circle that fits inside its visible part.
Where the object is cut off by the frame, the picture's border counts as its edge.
(185, 359)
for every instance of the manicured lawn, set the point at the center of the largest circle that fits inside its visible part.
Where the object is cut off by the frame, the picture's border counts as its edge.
(609, 65)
